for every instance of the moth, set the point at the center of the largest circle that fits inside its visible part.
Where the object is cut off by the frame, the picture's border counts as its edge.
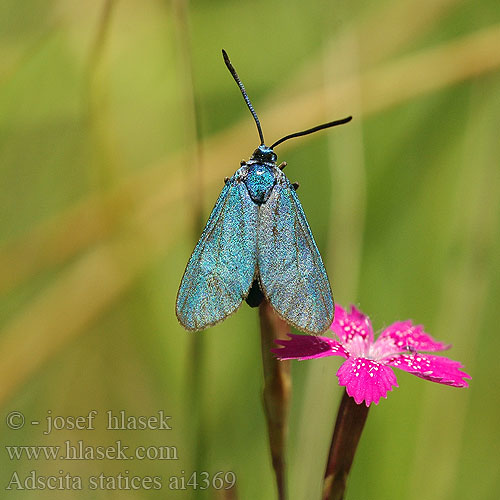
(256, 245)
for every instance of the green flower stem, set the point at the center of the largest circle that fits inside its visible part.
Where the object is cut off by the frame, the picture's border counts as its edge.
(276, 392)
(351, 419)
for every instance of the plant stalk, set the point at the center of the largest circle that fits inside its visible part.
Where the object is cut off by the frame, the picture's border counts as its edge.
(276, 393)
(351, 419)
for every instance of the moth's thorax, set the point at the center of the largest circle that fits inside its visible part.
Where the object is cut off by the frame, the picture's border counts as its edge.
(259, 175)
(260, 180)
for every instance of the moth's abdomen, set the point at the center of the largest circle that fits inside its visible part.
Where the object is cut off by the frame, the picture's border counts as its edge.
(260, 181)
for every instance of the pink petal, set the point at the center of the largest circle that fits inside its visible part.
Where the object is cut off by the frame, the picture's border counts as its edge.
(350, 325)
(308, 347)
(366, 380)
(403, 336)
(434, 368)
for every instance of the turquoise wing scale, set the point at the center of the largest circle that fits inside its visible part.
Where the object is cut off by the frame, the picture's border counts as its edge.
(292, 274)
(221, 269)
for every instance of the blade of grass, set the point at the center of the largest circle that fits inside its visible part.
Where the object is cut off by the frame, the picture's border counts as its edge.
(194, 168)
(465, 292)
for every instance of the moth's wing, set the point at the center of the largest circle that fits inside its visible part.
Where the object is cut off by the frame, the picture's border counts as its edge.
(221, 269)
(292, 274)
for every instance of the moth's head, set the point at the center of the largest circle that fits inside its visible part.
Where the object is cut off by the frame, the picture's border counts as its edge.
(264, 154)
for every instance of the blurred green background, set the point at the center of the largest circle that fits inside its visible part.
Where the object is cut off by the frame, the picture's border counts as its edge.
(118, 123)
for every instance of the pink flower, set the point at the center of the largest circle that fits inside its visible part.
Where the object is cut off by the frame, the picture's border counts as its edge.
(367, 372)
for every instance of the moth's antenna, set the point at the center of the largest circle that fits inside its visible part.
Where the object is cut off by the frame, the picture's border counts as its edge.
(311, 130)
(244, 92)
